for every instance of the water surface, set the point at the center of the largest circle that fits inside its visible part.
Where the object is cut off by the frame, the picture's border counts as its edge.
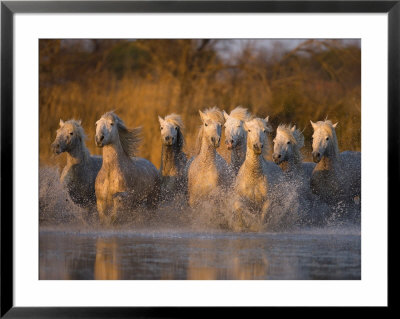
(318, 254)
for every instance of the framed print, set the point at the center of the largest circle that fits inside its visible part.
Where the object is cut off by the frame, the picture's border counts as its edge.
(193, 153)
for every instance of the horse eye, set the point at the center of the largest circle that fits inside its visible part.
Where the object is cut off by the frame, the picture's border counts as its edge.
(288, 142)
(112, 123)
(327, 138)
(161, 128)
(248, 131)
(205, 124)
(176, 128)
(72, 133)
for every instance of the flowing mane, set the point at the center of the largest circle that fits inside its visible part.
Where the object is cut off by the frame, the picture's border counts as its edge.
(240, 113)
(130, 138)
(176, 120)
(215, 115)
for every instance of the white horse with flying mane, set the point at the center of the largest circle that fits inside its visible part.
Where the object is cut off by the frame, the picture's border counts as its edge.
(173, 159)
(124, 181)
(208, 172)
(235, 136)
(79, 174)
(256, 174)
(337, 176)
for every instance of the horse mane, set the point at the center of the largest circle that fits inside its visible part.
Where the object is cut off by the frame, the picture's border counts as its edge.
(130, 138)
(240, 113)
(176, 120)
(215, 115)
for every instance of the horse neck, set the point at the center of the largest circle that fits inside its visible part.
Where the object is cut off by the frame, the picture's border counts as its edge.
(238, 155)
(293, 164)
(114, 153)
(78, 155)
(170, 156)
(330, 160)
(253, 162)
(207, 151)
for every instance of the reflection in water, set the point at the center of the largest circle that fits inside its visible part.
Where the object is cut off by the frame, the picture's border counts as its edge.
(106, 265)
(206, 256)
(198, 256)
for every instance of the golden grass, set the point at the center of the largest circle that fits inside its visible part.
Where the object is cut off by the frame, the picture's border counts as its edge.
(296, 96)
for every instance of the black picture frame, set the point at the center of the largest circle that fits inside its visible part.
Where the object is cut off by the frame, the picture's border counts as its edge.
(9, 8)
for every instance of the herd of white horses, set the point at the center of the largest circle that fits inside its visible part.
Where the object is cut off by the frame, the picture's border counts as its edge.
(118, 181)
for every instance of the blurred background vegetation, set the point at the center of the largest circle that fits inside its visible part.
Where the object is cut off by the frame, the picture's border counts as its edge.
(292, 81)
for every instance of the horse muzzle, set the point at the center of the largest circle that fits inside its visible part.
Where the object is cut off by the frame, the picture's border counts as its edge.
(230, 144)
(99, 141)
(316, 157)
(215, 141)
(168, 141)
(56, 148)
(277, 158)
(257, 148)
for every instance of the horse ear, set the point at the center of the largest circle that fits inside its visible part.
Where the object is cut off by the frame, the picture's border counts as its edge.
(334, 125)
(160, 119)
(201, 115)
(268, 125)
(293, 128)
(226, 116)
(313, 124)
(79, 122)
(61, 122)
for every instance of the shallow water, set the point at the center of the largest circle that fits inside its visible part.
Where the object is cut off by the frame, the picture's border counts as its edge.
(301, 239)
(314, 254)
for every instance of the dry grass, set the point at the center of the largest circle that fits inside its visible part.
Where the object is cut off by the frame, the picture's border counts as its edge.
(309, 83)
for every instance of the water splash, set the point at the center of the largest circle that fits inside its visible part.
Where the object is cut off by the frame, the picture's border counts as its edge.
(291, 210)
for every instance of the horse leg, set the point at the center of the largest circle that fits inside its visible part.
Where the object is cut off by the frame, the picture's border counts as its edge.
(237, 218)
(101, 209)
(119, 201)
(192, 201)
(264, 210)
(154, 198)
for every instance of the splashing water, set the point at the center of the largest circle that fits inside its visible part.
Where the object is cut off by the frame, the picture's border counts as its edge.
(290, 209)
(301, 236)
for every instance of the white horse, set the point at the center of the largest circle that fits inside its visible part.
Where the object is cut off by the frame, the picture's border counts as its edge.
(208, 172)
(235, 136)
(124, 181)
(287, 145)
(79, 174)
(337, 176)
(256, 174)
(294, 194)
(173, 159)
